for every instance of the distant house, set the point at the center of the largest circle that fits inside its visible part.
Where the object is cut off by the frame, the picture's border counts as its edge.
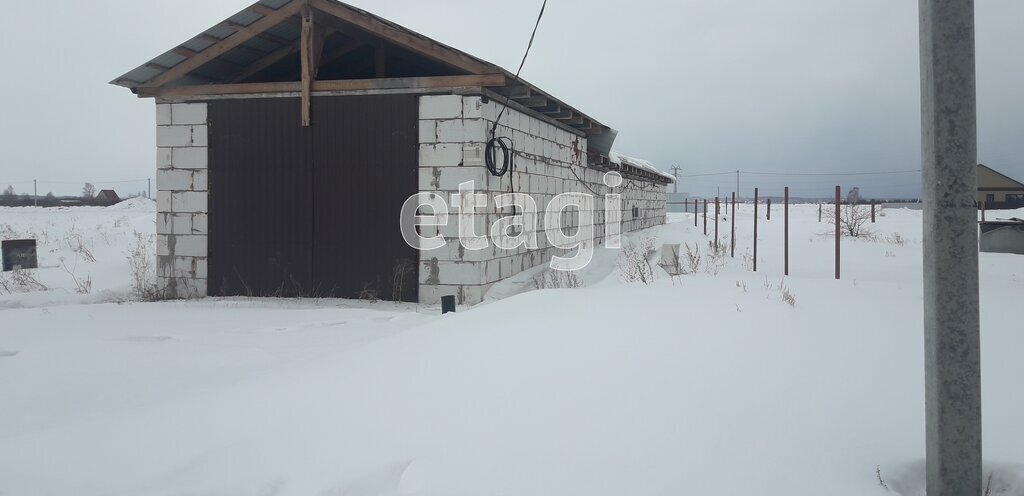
(107, 197)
(997, 190)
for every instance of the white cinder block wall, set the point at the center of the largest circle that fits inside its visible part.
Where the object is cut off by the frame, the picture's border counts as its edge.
(551, 161)
(182, 195)
(453, 131)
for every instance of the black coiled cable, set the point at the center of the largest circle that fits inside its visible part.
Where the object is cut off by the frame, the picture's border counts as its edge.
(507, 156)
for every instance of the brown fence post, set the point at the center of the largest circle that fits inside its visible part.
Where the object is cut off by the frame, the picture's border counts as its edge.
(819, 212)
(705, 217)
(839, 232)
(718, 210)
(872, 211)
(755, 228)
(732, 237)
(769, 209)
(786, 215)
(694, 213)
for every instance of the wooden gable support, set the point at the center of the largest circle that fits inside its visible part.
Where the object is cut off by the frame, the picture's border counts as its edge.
(241, 36)
(380, 61)
(430, 82)
(340, 52)
(417, 44)
(312, 46)
(265, 63)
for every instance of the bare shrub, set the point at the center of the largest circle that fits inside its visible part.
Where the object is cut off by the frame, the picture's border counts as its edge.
(894, 239)
(748, 260)
(690, 260)
(402, 269)
(786, 294)
(369, 293)
(73, 239)
(21, 281)
(634, 261)
(143, 271)
(83, 285)
(556, 279)
(715, 258)
(878, 475)
(854, 221)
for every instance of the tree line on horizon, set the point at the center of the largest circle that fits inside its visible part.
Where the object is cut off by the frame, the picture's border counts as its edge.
(11, 198)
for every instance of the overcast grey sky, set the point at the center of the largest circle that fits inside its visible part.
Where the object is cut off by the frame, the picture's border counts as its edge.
(779, 86)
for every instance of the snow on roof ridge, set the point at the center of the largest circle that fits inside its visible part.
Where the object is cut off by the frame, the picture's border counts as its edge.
(619, 159)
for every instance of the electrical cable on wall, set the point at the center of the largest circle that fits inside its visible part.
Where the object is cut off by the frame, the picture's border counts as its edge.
(506, 144)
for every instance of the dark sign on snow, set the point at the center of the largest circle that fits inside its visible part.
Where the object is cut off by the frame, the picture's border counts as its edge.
(19, 254)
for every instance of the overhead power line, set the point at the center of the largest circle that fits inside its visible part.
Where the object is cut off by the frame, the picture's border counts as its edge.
(814, 174)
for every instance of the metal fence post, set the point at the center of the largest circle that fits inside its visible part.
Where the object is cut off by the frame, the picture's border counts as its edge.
(717, 214)
(732, 236)
(839, 232)
(705, 217)
(786, 215)
(755, 228)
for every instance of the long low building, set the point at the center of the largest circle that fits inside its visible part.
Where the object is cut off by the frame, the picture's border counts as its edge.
(291, 135)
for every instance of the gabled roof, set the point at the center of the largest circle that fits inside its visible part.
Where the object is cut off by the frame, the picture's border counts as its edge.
(1000, 174)
(262, 48)
(260, 44)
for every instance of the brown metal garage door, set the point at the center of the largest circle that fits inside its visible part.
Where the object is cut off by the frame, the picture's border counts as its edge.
(312, 211)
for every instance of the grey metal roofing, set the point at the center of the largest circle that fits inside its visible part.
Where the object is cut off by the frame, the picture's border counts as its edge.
(287, 32)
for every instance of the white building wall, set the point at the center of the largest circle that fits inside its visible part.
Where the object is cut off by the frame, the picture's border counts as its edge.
(182, 193)
(453, 132)
(549, 161)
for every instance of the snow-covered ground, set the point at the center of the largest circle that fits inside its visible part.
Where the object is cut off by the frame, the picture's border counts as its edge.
(79, 248)
(706, 384)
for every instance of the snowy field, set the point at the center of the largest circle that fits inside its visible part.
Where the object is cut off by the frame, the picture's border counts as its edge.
(711, 383)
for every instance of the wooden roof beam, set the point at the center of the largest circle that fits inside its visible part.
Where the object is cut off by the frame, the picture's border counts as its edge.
(514, 92)
(473, 80)
(422, 45)
(261, 9)
(574, 120)
(265, 62)
(340, 52)
(533, 101)
(241, 36)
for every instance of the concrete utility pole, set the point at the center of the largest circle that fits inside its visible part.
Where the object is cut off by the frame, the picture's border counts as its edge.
(675, 173)
(951, 313)
(737, 187)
